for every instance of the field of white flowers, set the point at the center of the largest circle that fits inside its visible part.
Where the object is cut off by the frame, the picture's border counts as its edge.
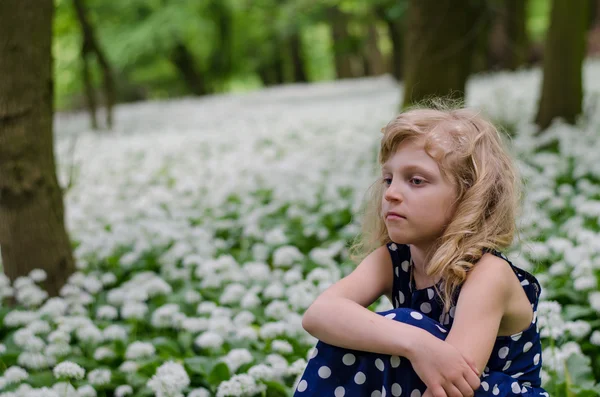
(205, 227)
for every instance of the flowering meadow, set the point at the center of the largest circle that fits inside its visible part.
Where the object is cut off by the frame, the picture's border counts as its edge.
(203, 228)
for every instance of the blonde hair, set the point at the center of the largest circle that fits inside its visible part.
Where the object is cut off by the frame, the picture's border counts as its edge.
(471, 153)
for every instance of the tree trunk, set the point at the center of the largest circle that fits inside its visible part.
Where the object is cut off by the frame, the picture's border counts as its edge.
(299, 71)
(440, 39)
(92, 47)
(184, 62)
(396, 35)
(342, 43)
(508, 39)
(375, 63)
(32, 230)
(562, 87)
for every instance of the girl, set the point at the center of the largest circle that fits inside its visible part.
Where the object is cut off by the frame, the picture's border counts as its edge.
(464, 317)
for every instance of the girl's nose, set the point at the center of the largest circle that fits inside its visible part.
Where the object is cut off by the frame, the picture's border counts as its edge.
(392, 193)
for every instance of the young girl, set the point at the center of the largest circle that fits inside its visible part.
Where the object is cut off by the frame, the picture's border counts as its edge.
(464, 319)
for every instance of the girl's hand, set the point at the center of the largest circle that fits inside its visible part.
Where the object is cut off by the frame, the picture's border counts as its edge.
(443, 369)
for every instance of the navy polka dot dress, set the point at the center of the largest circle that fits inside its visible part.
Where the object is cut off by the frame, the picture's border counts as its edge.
(512, 370)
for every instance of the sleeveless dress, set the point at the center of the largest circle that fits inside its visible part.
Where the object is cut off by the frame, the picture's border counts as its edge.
(512, 370)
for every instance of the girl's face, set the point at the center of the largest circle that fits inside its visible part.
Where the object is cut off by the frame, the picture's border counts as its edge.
(418, 193)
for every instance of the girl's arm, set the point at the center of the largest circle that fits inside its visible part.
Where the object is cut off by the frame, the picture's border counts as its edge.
(339, 315)
(481, 305)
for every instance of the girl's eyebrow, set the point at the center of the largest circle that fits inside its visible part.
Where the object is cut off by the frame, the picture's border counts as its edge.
(411, 168)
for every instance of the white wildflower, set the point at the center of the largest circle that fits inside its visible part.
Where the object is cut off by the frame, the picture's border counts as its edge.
(103, 352)
(169, 381)
(123, 390)
(281, 346)
(240, 385)
(209, 340)
(138, 350)
(68, 370)
(236, 358)
(15, 374)
(38, 275)
(128, 367)
(87, 391)
(99, 376)
(107, 312)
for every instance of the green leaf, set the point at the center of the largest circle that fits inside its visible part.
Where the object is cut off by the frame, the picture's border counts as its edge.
(580, 372)
(167, 346)
(276, 389)
(575, 312)
(41, 379)
(219, 373)
(199, 365)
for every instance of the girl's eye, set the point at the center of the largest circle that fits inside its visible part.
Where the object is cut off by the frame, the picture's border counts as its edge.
(417, 181)
(387, 181)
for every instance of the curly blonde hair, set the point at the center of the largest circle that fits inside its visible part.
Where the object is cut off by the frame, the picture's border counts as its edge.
(471, 153)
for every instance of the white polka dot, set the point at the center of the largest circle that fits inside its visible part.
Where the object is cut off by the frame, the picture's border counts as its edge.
(441, 329)
(360, 378)
(393, 246)
(446, 320)
(397, 271)
(348, 359)
(339, 391)
(518, 374)
(401, 297)
(302, 385)
(404, 266)
(452, 311)
(379, 364)
(507, 365)
(516, 337)
(383, 392)
(395, 361)
(534, 316)
(396, 390)
(515, 388)
(390, 315)
(495, 391)
(314, 352)
(376, 393)
(397, 303)
(525, 282)
(527, 347)
(426, 307)
(324, 372)
(536, 359)
(430, 293)
(524, 390)
(416, 315)
(503, 352)
(415, 393)
(485, 386)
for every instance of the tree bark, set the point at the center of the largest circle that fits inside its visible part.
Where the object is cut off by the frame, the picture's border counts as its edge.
(562, 87)
(342, 44)
(374, 60)
(508, 39)
(32, 230)
(298, 68)
(440, 40)
(184, 62)
(89, 48)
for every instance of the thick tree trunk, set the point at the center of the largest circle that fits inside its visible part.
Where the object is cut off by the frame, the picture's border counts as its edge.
(396, 35)
(92, 47)
(562, 87)
(299, 71)
(374, 60)
(32, 230)
(508, 39)
(184, 62)
(342, 44)
(440, 39)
